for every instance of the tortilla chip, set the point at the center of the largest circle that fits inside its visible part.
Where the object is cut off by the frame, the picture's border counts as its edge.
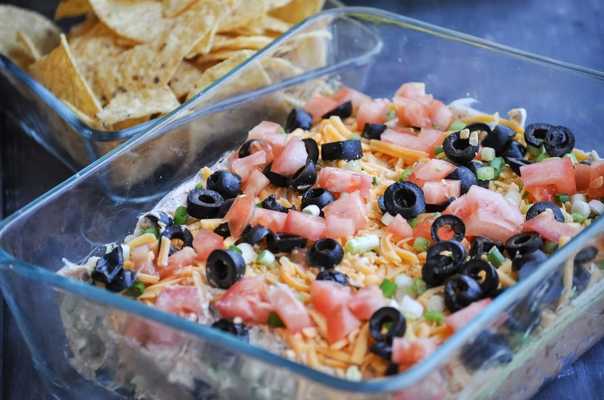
(72, 8)
(153, 64)
(185, 78)
(205, 45)
(247, 13)
(28, 46)
(297, 10)
(130, 105)
(172, 8)
(59, 73)
(43, 33)
(86, 120)
(276, 25)
(83, 27)
(242, 42)
(129, 123)
(220, 55)
(137, 20)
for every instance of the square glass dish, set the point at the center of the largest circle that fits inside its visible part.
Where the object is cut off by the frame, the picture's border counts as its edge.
(76, 332)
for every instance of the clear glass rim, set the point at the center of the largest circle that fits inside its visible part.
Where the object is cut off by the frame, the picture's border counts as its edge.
(398, 382)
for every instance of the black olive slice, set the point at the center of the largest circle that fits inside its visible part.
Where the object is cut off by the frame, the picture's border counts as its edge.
(528, 263)
(344, 150)
(236, 329)
(334, 276)
(373, 131)
(586, 255)
(204, 203)
(275, 178)
(481, 245)
(387, 323)
(254, 234)
(248, 147)
(483, 273)
(459, 150)
(158, 220)
(284, 242)
(109, 266)
(298, 118)
(559, 141)
(305, 177)
(443, 260)
(404, 198)
(343, 111)
(270, 203)
(178, 232)
(436, 208)
(514, 150)
(317, 196)
(488, 349)
(523, 243)
(453, 222)
(226, 183)
(382, 205)
(534, 134)
(312, 149)
(382, 350)
(325, 253)
(223, 230)
(516, 163)
(498, 138)
(224, 268)
(461, 291)
(465, 176)
(392, 369)
(122, 281)
(541, 206)
(224, 209)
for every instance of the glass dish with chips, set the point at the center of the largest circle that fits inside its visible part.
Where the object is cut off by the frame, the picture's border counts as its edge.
(125, 67)
(77, 332)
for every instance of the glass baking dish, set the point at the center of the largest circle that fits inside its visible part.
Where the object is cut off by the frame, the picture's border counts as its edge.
(76, 332)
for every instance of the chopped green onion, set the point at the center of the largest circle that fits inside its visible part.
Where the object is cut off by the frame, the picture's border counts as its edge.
(152, 230)
(265, 258)
(438, 150)
(362, 244)
(434, 316)
(495, 257)
(274, 321)
(374, 181)
(405, 174)
(457, 126)
(199, 186)
(578, 217)
(420, 244)
(562, 198)
(497, 163)
(485, 173)
(391, 114)
(413, 222)
(487, 154)
(180, 215)
(572, 157)
(417, 288)
(541, 157)
(388, 288)
(136, 290)
(550, 247)
(235, 248)
(535, 151)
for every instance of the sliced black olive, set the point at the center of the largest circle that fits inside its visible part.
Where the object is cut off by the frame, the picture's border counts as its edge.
(158, 220)
(456, 250)
(226, 183)
(481, 245)
(325, 254)
(318, 197)
(382, 205)
(487, 350)
(483, 273)
(344, 150)
(312, 149)
(109, 266)
(528, 263)
(224, 268)
(391, 369)
(178, 232)
(223, 230)
(275, 178)
(334, 276)
(581, 278)
(224, 209)
(465, 176)
(204, 203)
(523, 243)
(586, 255)
(253, 234)
(453, 222)
(437, 208)
(298, 118)
(305, 177)
(235, 329)
(387, 323)
(541, 206)
(461, 291)
(270, 203)
(373, 131)
(122, 281)
(516, 163)
(382, 350)
(474, 165)
(459, 150)
(343, 111)
(404, 198)
(443, 260)
(514, 150)
(559, 141)
(534, 134)
(248, 147)
(547, 292)
(498, 138)
(284, 242)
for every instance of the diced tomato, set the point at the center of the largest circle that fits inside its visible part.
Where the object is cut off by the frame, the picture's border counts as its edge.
(407, 352)
(305, 225)
(582, 176)
(271, 133)
(320, 105)
(412, 113)
(337, 227)
(340, 180)
(350, 206)
(490, 225)
(292, 158)
(240, 214)
(182, 258)
(143, 257)
(411, 90)
(546, 225)
(273, 220)
(424, 226)
(247, 299)
(555, 173)
(357, 98)
(206, 242)
(372, 112)
(259, 145)
(366, 301)
(291, 310)
(596, 188)
(461, 318)
(427, 140)
(400, 228)
(340, 323)
(431, 170)
(431, 139)
(326, 296)
(440, 115)
(179, 299)
(246, 165)
(255, 183)
(440, 192)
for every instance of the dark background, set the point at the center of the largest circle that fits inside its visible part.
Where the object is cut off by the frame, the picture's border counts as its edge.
(568, 30)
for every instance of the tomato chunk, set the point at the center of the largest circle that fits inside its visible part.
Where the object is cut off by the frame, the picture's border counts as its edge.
(143, 257)
(372, 112)
(340, 323)
(427, 140)
(206, 242)
(255, 183)
(340, 180)
(292, 158)
(351, 207)
(546, 225)
(557, 173)
(246, 299)
(461, 318)
(366, 301)
(179, 299)
(271, 133)
(240, 214)
(357, 98)
(326, 296)
(400, 228)
(291, 310)
(407, 352)
(582, 176)
(246, 165)
(337, 227)
(305, 225)
(273, 220)
(182, 258)
(596, 180)
(440, 115)
(440, 192)
(412, 113)
(431, 170)
(320, 105)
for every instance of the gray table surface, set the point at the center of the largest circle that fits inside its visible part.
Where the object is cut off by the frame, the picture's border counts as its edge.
(564, 29)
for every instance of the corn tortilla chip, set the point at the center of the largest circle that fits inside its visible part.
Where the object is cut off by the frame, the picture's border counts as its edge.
(233, 43)
(87, 120)
(172, 8)
(137, 20)
(72, 8)
(130, 123)
(297, 10)
(247, 13)
(83, 27)
(28, 46)
(130, 105)
(153, 64)
(221, 55)
(59, 73)
(185, 78)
